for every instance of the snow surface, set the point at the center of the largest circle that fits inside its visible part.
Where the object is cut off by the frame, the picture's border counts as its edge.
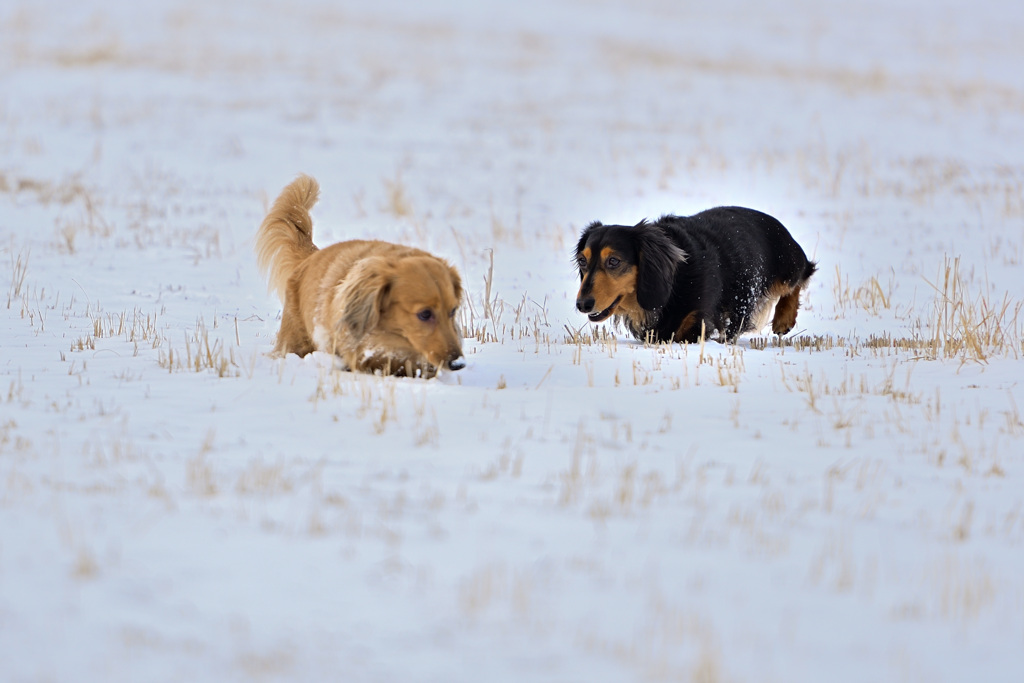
(573, 506)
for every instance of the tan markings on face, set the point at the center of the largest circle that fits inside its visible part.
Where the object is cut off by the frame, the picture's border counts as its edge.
(425, 284)
(605, 253)
(631, 308)
(586, 254)
(607, 288)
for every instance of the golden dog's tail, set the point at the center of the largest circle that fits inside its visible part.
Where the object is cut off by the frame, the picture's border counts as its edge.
(285, 237)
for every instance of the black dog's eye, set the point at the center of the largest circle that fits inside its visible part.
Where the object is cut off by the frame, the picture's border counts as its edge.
(425, 315)
(581, 261)
(612, 262)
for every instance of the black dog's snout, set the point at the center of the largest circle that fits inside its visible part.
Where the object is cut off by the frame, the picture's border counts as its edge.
(585, 304)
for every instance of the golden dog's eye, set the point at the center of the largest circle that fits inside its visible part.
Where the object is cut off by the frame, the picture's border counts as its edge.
(426, 315)
(452, 314)
(612, 262)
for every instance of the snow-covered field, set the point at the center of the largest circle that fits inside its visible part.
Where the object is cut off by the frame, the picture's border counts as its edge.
(573, 506)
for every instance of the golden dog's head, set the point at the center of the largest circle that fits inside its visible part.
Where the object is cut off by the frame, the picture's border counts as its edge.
(402, 312)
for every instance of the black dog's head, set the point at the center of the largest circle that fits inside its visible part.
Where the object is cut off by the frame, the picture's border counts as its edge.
(625, 268)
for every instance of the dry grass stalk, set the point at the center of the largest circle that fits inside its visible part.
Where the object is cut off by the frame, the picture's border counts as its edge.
(970, 327)
(200, 354)
(870, 296)
(19, 268)
(398, 204)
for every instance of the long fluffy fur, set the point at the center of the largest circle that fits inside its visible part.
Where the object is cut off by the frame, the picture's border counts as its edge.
(285, 237)
(376, 305)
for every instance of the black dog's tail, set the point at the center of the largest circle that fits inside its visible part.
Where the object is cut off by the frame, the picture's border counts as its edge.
(810, 269)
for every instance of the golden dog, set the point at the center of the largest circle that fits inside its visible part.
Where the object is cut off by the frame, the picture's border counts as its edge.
(376, 305)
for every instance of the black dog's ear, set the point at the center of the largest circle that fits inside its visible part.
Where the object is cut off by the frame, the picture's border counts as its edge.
(658, 258)
(584, 235)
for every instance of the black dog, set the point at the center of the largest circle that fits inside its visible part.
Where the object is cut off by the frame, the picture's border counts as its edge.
(681, 277)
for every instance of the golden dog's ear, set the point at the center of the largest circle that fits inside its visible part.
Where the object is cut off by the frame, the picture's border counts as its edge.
(363, 295)
(456, 283)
